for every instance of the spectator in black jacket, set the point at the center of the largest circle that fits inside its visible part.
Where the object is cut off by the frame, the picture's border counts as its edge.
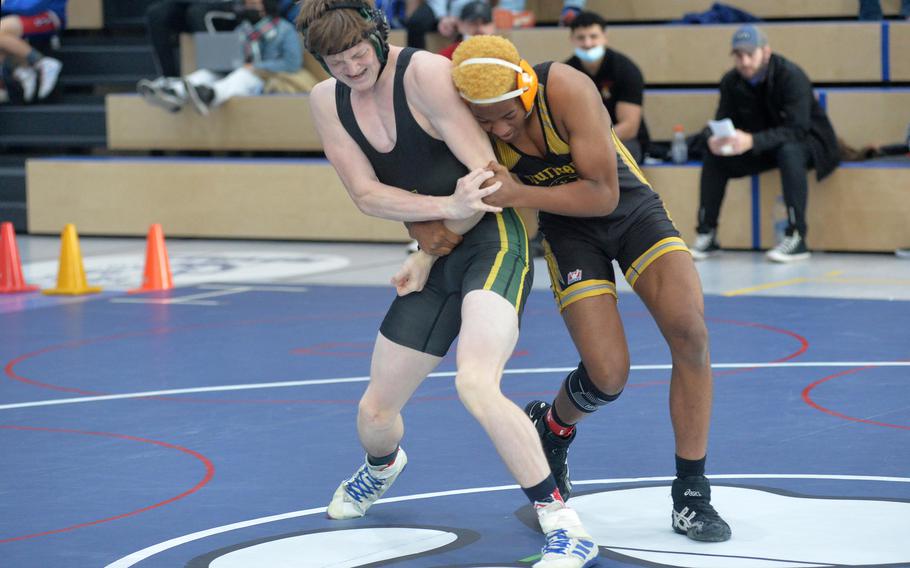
(779, 124)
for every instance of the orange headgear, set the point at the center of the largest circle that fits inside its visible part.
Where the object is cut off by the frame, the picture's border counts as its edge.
(526, 82)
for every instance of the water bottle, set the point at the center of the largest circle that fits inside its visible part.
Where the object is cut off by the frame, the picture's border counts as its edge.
(679, 151)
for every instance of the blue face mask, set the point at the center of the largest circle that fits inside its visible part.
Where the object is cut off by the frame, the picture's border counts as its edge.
(590, 55)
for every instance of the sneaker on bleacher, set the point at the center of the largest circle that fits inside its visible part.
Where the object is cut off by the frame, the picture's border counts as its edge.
(49, 71)
(28, 79)
(163, 92)
(358, 493)
(202, 96)
(791, 249)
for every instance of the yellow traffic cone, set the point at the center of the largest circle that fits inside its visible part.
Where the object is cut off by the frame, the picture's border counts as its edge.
(71, 274)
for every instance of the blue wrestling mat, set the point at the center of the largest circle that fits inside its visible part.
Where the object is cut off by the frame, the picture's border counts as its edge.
(208, 428)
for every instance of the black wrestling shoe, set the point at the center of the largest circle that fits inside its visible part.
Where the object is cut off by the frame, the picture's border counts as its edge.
(555, 448)
(693, 514)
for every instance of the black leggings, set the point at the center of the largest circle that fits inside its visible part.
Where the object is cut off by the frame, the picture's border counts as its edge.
(791, 158)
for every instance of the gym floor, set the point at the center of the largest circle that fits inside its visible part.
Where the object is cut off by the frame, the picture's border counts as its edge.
(208, 426)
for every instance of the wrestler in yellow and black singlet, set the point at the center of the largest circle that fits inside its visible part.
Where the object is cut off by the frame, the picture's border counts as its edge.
(580, 250)
(493, 255)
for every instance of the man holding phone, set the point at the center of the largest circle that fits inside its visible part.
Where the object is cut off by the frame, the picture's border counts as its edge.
(777, 124)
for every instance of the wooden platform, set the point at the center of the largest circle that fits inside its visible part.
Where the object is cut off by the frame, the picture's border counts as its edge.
(283, 122)
(667, 55)
(270, 199)
(859, 116)
(659, 10)
(273, 122)
(85, 15)
(856, 209)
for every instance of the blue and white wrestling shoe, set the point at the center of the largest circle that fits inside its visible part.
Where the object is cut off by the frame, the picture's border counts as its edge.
(355, 495)
(568, 543)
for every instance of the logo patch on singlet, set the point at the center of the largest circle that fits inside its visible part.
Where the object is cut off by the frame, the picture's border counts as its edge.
(573, 277)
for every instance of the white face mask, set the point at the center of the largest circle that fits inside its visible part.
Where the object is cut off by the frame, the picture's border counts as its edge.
(590, 55)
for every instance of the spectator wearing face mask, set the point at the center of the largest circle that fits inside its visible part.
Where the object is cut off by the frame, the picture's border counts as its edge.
(617, 77)
(476, 18)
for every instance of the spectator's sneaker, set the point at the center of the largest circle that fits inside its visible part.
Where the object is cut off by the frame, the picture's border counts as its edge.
(160, 94)
(693, 514)
(791, 249)
(28, 79)
(902, 252)
(568, 543)
(201, 97)
(705, 245)
(49, 70)
(555, 448)
(355, 495)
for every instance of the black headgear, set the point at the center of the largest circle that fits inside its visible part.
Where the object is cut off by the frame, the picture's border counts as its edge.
(378, 36)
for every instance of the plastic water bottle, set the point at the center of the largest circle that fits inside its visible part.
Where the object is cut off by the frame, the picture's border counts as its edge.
(679, 151)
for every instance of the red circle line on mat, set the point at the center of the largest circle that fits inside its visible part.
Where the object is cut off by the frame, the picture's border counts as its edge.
(807, 398)
(11, 373)
(209, 473)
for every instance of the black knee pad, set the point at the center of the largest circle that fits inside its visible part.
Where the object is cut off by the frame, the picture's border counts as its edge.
(583, 393)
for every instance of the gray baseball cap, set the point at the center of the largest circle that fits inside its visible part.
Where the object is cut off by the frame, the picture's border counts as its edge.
(749, 38)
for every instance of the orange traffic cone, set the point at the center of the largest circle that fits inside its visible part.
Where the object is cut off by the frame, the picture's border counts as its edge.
(71, 274)
(157, 267)
(11, 279)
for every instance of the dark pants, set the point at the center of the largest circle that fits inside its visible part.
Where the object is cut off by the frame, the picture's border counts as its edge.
(421, 22)
(168, 18)
(792, 159)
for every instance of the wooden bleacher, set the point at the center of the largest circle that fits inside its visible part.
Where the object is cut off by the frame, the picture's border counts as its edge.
(258, 198)
(856, 209)
(667, 10)
(898, 48)
(851, 110)
(85, 15)
(673, 55)
(283, 122)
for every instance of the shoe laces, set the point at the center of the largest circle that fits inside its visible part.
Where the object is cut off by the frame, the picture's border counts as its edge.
(698, 510)
(558, 542)
(789, 244)
(363, 484)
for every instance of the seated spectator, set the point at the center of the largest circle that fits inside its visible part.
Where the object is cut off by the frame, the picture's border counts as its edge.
(24, 20)
(476, 18)
(779, 124)
(425, 16)
(617, 77)
(167, 19)
(871, 10)
(274, 61)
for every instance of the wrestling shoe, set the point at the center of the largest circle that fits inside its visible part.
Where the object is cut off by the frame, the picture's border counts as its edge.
(555, 448)
(693, 514)
(355, 495)
(568, 543)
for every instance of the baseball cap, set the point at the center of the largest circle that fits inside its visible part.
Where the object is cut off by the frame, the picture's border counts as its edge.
(748, 38)
(473, 11)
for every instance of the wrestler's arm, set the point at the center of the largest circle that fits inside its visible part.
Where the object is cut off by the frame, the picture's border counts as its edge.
(578, 112)
(359, 178)
(433, 95)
